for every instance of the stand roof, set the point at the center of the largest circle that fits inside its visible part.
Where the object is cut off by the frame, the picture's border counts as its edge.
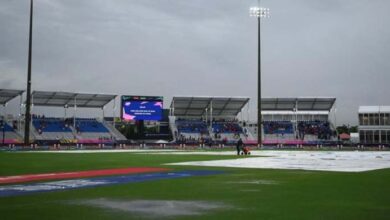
(7, 95)
(196, 106)
(301, 103)
(62, 99)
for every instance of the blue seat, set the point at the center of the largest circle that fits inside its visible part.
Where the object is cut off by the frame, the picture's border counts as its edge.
(278, 127)
(7, 128)
(191, 126)
(90, 125)
(50, 125)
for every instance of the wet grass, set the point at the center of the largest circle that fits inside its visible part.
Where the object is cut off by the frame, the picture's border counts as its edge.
(295, 195)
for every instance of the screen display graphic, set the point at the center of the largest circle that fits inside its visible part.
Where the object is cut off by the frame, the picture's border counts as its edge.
(137, 108)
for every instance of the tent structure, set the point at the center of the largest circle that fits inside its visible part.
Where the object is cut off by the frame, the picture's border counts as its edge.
(344, 136)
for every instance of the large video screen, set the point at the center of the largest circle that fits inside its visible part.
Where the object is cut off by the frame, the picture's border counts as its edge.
(138, 108)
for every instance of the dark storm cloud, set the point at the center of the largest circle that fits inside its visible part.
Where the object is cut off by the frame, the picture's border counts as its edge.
(202, 47)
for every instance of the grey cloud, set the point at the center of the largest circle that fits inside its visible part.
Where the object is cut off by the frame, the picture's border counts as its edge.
(202, 47)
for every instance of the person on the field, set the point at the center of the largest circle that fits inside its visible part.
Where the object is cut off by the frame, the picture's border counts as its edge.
(239, 146)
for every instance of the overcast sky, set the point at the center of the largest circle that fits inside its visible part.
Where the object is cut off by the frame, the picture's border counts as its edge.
(338, 48)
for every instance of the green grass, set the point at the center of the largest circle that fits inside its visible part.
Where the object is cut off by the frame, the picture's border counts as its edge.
(297, 194)
(27, 163)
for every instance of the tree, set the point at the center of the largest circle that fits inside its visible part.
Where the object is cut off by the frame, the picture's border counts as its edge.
(353, 129)
(347, 129)
(342, 129)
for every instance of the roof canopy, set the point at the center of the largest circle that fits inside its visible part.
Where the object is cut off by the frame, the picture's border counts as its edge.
(374, 109)
(7, 95)
(301, 103)
(196, 106)
(62, 99)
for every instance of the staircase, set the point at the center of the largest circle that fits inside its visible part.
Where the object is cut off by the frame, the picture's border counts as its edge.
(172, 126)
(114, 131)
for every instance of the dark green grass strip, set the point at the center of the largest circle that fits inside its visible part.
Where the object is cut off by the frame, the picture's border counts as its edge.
(29, 163)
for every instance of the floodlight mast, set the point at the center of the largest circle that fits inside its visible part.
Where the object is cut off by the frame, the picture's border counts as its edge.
(259, 13)
(28, 93)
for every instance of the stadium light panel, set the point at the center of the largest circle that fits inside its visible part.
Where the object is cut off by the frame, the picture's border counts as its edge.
(259, 12)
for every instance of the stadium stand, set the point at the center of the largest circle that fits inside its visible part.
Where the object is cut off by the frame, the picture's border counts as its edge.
(89, 130)
(278, 127)
(7, 127)
(207, 120)
(301, 120)
(43, 124)
(297, 120)
(223, 126)
(191, 130)
(321, 129)
(51, 128)
(9, 134)
(73, 130)
(90, 125)
(194, 120)
(195, 126)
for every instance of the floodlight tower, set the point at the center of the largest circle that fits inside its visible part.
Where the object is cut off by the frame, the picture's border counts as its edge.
(259, 13)
(28, 94)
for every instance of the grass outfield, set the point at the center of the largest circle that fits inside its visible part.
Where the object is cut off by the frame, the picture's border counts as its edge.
(248, 193)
